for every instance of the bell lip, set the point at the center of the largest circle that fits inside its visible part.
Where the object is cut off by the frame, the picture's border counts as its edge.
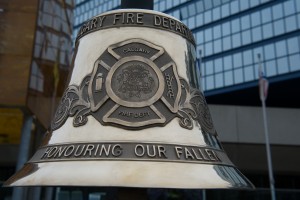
(23, 172)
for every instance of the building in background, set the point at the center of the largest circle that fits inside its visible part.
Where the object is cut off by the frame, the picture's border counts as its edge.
(35, 54)
(229, 36)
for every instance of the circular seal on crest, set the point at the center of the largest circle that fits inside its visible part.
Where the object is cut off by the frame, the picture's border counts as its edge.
(135, 82)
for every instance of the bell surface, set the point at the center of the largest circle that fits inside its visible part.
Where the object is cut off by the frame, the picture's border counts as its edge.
(131, 115)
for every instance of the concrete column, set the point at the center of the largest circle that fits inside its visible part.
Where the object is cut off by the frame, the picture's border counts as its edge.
(19, 192)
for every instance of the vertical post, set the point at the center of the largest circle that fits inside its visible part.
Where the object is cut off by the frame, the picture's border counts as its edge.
(23, 153)
(145, 4)
(266, 130)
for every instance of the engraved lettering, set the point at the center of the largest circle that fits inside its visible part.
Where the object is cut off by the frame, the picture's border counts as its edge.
(106, 150)
(101, 19)
(70, 149)
(161, 151)
(169, 85)
(78, 153)
(153, 154)
(52, 152)
(46, 153)
(165, 22)
(157, 20)
(211, 154)
(117, 150)
(94, 23)
(139, 18)
(203, 155)
(127, 50)
(196, 155)
(131, 17)
(134, 115)
(178, 28)
(178, 151)
(60, 151)
(116, 17)
(188, 154)
(139, 150)
(89, 149)
(172, 23)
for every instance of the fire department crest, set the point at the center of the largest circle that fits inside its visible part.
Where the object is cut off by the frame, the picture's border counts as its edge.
(134, 84)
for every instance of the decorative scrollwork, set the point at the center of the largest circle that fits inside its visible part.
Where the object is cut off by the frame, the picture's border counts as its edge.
(73, 104)
(192, 105)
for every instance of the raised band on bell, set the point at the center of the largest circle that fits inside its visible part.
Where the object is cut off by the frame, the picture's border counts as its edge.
(131, 110)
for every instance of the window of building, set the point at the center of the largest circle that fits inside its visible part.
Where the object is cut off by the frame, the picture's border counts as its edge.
(199, 37)
(210, 82)
(254, 3)
(277, 11)
(217, 31)
(293, 45)
(269, 51)
(245, 22)
(255, 19)
(281, 49)
(216, 3)
(225, 10)
(247, 57)
(294, 62)
(235, 25)
(209, 68)
(236, 40)
(266, 15)
(278, 27)
(256, 34)
(282, 65)
(184, 12)
(246, 37)
(270, 68)
(237, 60)
(199, 6)
(219, 80)
(245, 5)
(249, 73)
(216, 13)
(217, 46)
(227, 62)
(208, 4)
(238, 76)
(226, 29)
(192, 9)
(208, 34)
(267, 30)
(226, 43)
(289, 8)
(290, 23)
(218, 65)
(199, 19)
(208, 48)
(207, 17)
(234, 7)
(228, 78)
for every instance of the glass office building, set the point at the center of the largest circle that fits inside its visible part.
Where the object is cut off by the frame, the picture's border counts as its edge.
(229, 36)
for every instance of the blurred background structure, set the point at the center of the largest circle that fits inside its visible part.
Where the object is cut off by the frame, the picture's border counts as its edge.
(35, 49)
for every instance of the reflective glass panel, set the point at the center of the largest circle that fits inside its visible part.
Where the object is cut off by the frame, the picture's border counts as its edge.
(199, 20)
(227, 62)
(277, 11)
(234, 7)
(294, 62)
(238, 76)
(219, 80)
(207, 16)
(237, 60)
(199, 6)
(246, 37)
(228, 78)
(217, 31)
(247, 56)
(293, 45)
(290, 23)
(281, 49)
(236, 40)
(218, 65)
(249, 73)
(282, 64)
(210, 82)
(289, 8)
(235, 25)
(256, 34)
(192, 9)
(278, 27)
(267, 30)
(269, 51)
(208, 48)
(226, 43)
(209, 68)
(226, 28)
(266, 15)
(216, 13)
(271, 68)
(225, 10)
(255, 19)
(244, 5)
(245, 21)
(208, 34)
(217, 46)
